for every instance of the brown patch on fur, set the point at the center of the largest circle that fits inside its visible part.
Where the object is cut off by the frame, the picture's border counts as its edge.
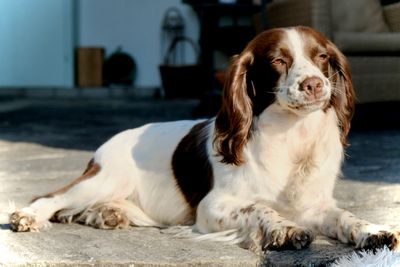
(91, 170)
(353, 236)
(316, 48)
(343, 96)
(89, 166)
(234, 215)
(248, 90)
(191, 166)
(248, 209)
(234, 120)
(189, 219)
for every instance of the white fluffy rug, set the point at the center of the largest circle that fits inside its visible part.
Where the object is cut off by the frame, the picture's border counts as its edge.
(382, 258)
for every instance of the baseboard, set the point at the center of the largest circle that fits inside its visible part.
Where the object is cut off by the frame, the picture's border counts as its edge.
(64, 92)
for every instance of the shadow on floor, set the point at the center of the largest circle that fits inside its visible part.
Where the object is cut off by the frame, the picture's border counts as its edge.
(85, 125)
(374, 154)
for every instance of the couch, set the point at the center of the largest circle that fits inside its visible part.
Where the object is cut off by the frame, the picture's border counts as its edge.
(366, 32)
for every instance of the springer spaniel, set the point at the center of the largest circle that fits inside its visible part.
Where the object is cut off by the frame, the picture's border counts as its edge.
(263, 170)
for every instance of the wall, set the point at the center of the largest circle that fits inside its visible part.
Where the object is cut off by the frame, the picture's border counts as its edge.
(36, 46)
(136, 26)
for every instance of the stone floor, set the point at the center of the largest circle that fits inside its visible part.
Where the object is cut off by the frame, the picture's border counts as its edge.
(44, 143)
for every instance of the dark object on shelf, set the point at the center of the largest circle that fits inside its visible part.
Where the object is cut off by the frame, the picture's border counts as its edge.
(182, 80)
(89, 66)
(119, 69)
(229, 39)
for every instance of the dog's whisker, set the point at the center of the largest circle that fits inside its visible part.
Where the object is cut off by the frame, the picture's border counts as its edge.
(334, 74)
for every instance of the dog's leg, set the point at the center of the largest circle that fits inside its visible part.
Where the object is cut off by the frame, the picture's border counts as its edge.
(262, 226)
(346, 227)
(79, 195)
(114, 215)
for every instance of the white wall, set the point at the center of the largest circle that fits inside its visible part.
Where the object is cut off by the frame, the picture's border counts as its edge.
(136, 26)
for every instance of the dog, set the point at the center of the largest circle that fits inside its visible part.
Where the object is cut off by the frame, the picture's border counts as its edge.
(264, 168)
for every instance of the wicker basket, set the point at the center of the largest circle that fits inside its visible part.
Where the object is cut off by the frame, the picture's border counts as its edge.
(182, 80)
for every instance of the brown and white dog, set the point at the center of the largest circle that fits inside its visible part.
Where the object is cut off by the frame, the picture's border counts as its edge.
(263, 170)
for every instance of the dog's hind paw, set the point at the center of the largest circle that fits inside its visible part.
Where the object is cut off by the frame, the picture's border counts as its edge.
(23, 222)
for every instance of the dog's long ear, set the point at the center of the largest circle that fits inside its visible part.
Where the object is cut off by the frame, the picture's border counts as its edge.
(343, 95)
(234, 121)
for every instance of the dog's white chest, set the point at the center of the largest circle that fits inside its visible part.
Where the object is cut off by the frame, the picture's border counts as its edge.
(289, 154)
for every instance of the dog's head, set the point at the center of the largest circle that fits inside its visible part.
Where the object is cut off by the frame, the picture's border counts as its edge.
(297, 68)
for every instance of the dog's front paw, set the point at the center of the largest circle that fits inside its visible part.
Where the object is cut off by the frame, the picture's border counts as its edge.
(289, 237)
(23, 222)
(390, 239)
(301, 238)
(114, 218)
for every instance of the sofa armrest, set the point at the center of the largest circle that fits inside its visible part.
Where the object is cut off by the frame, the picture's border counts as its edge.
(312, 13)
(392, 16)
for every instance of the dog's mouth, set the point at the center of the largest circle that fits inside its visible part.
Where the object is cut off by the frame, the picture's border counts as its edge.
(309, 105)
(301, 102)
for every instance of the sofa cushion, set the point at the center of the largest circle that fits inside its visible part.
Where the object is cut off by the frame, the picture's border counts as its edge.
(392, 16)
(367, 42)
(358, 16)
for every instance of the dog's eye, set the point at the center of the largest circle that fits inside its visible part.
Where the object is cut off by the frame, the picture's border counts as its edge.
(323, 57)
(278, 62)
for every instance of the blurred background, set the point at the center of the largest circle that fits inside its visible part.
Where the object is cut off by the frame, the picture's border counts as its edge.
(178, 50)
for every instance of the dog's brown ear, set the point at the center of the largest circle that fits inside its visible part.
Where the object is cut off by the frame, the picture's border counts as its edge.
(234, 121)
(343, 96)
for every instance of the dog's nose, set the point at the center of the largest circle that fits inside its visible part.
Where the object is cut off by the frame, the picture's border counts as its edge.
(312, 86)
